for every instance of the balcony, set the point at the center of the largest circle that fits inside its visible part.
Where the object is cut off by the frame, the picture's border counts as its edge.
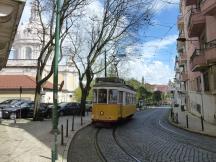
(184, 76)
(190, 2)
(10, 13)
(198, 61)
(182, 59)
(180, 21)
(196, 23)
(180, 47)
(210, 52)
(208, 7)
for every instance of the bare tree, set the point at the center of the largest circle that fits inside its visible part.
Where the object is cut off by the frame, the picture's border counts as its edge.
(45, 29)
(111, 25)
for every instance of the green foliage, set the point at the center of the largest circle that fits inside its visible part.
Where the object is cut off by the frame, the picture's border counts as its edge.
(141, 92)
(134, 83)
(157, 96)
(78, 94)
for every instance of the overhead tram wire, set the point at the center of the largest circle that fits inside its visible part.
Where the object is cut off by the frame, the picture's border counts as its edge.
(170, 2)
(170, 27)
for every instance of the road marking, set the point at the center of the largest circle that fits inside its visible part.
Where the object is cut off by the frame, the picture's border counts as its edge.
(168, 128)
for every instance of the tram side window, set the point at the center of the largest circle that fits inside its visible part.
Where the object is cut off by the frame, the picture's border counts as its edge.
(127, 98)
(120, 97)
(95, 96)
(113, 96)
(102, 96)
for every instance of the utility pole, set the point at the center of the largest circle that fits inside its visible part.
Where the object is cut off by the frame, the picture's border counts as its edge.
(55, 82)
(105, 64)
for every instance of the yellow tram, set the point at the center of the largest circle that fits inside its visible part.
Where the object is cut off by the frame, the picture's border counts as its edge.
(113, 100)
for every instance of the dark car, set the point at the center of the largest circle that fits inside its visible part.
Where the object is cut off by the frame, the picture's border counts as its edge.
(8, 103)
(71, 108)
(22, 109)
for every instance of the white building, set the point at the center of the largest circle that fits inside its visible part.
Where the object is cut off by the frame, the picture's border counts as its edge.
(23, 61)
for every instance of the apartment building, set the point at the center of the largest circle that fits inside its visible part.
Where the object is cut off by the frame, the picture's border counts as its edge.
(195, 66)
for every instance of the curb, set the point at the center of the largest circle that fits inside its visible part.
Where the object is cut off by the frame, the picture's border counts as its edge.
(65, 152)
(189, 130)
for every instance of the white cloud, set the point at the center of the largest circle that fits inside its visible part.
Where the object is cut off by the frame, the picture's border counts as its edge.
(148, 49)
(155, 72)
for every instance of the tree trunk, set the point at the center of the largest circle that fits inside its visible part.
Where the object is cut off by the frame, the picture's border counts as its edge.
(37, 95)
(83, 101)
(37, 103)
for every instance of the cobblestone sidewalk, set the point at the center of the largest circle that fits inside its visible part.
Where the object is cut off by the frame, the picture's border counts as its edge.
(31, 141)
(194, 123)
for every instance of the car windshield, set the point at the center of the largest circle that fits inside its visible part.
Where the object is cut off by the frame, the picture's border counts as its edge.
(19, 103)
(26, 104)
(15, 102)
(63, 104)
(8, 101)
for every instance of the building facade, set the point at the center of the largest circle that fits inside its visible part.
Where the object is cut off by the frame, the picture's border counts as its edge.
(195, 67)
(23, 61)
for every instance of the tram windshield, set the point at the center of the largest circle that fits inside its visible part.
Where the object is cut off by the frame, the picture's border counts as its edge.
(113, 96)
(102, 96)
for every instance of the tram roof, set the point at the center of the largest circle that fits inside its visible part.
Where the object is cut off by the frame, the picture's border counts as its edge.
(111, 84)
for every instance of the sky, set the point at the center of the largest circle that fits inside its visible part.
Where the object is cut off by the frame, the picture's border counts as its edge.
(156, 64)
(157, 46)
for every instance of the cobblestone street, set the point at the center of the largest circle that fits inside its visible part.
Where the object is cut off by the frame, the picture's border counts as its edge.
(148, 137)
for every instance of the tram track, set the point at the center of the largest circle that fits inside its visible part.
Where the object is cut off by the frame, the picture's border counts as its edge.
(122, 148)
(97, 147)
(103, 156)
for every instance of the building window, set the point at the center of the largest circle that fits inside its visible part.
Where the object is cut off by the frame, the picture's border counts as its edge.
(198, 83)
(206, 81)
(28, 53)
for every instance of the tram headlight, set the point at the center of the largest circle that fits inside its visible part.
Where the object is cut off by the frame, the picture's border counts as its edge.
(101, 113)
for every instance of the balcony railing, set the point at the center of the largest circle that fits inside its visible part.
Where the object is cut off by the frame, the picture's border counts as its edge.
(190, 2)
(184, 76)
(208, 7)
(210, 52)
(198, 61)
(196, 23)
(180, 19)
(211, 44)
(182, 58)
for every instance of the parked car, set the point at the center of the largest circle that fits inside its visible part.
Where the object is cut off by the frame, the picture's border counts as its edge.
(71, 108)
(8, 103)
(50, 106)
(22, 109)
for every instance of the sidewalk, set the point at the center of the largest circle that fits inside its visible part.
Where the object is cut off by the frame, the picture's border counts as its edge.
(31, 141)
(194, 123)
